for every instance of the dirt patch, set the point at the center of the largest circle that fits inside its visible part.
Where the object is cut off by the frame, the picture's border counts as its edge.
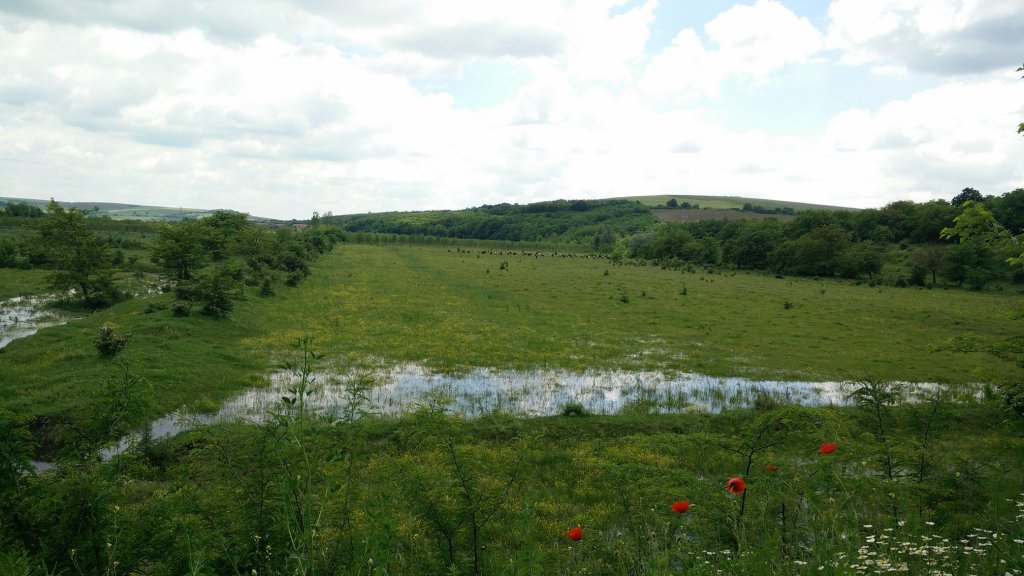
(683, 215)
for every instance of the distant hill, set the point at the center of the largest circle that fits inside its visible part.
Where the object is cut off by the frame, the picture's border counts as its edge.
(570, 221)
(118, 211)
(731, 202)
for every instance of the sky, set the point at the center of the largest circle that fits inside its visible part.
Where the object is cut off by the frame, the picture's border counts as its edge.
(282, 109)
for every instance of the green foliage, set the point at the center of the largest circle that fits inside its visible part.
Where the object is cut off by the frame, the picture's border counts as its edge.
(217, 291)
(80, 258)
(22, 210)
(8, 253)
(109, 342)
(430, 494)
(574, 409)
(181, 249)
(581, 222)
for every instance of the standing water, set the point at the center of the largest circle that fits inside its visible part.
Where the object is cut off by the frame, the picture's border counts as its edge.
(23, 316)
(402, 389)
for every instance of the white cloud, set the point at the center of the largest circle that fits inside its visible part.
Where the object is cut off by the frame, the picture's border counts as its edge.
(945, 37)
(751, 42)
(756, 40)
(318, 106)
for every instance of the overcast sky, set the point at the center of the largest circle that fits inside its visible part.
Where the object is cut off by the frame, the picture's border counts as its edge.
(282, 108)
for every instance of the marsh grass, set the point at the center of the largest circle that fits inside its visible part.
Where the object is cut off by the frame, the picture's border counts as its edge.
(438, 307)
(409, 513)
(22, 282)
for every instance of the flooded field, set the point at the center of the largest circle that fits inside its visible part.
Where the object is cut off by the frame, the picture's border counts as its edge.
(405, 388)
(23, 316)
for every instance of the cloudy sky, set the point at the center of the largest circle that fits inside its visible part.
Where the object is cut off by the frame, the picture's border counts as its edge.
(282, 108)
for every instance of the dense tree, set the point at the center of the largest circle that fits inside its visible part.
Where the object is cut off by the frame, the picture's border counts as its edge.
(870, 224)
(929, 258)
(965, 195)
(80, 259)
(223, 228)
(967, 262)
(8, 253)
(180, 249)
(753, 242)
(862, 259)
(929, 219)
(21, 209)
(820, 252)
(812, 219)
(561, 220)
(1008, 210)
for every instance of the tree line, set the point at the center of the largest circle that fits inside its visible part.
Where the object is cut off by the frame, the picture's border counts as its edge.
(207, 261)
(562, 221)
(839, 243)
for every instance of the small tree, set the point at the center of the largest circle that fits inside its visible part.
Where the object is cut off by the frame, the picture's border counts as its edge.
(80, 258)
(965, 195)
(217, 292)
(180, 249)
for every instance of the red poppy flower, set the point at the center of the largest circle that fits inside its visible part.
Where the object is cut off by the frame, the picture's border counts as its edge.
(827, 448)
(771, 468)
(680, 506)
(736, 485)
(575, 534)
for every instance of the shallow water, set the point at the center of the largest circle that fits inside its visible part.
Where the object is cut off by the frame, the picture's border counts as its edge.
(405, 388)
(23, 316)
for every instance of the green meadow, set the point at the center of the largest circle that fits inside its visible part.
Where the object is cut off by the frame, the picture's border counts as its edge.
(932, 487)
(453, 309)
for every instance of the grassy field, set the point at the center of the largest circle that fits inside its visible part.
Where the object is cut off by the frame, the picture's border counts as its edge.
(912, 487)
(22, 283)
(451, 310)
(429, 494)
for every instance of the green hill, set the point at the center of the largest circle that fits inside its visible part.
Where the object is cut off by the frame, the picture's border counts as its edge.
(120, 211)
(731, 202)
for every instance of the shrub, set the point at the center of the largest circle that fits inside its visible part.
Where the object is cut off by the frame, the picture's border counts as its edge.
(217, 293)
(574, 409)
(181, 309)
(109, 343)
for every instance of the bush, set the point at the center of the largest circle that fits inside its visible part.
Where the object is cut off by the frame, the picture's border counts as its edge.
(181, 309)
(217, 292)
(109, 343)
(574, 409)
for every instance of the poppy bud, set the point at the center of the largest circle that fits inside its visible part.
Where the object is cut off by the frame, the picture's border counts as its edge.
(575, 534)
(771, 468)
(736, 485)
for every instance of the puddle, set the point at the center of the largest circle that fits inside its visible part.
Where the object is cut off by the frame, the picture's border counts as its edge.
(404, 388)
(23, 316)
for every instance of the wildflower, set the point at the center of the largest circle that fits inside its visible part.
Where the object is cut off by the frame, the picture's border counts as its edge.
(736, 485)
(680, 507)
(827, 448)
(771, 468)
(575, 534)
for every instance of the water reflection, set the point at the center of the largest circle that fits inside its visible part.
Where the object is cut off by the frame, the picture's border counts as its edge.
(23, 316)
(404, 388)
